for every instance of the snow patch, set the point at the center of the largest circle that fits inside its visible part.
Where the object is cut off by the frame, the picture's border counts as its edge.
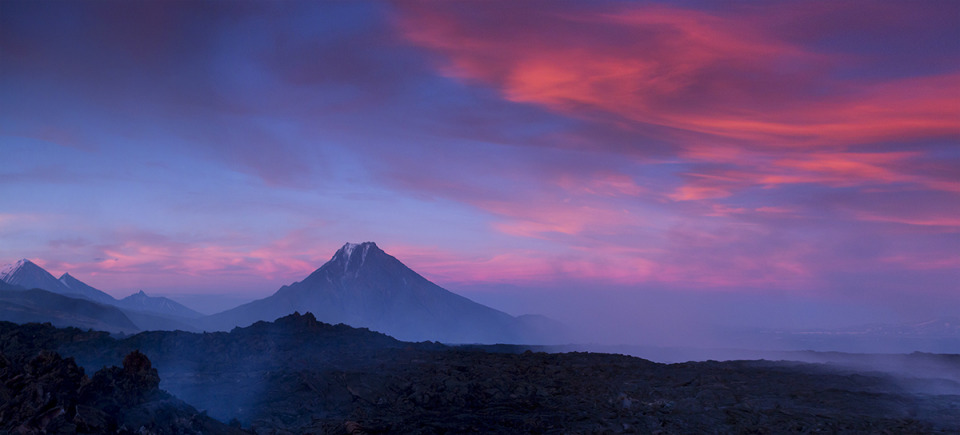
(363, 258)
(348, 249)
(347, 252)
(11, 268)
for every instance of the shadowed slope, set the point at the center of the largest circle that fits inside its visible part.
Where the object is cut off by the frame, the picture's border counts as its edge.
(22, 306)
(156, 304)
(26, 274)
(146, 312)
(82, 289)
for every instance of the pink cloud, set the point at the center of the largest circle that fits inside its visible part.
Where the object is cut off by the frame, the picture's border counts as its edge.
(530, 267)
(707, 73)
(721, 176)
(923, 262)
(723, 258)
(746, 102)
(949, 223)
(744, 106)
(536, 219)
(692, 193)
(154, 261)
(601, 184)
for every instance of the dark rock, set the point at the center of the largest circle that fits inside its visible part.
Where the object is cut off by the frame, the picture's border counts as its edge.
(50, 394)
(298, 375)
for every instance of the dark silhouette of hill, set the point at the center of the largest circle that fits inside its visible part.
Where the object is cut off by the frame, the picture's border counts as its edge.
(224, 373)
(365, 287)
(46, 393)
(298, 375)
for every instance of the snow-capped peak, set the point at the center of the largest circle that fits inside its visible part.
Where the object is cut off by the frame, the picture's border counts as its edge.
(8, 269)
(65, 280)
(20, 267)
(348, 249)
(345, 254)
(366, 248)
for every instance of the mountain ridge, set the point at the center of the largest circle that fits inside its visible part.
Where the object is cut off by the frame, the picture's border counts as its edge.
(140, 301)
(147, 312)
(87, 291)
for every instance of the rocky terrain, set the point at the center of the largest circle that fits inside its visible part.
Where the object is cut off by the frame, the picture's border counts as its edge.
(50, 394)
(298, 375)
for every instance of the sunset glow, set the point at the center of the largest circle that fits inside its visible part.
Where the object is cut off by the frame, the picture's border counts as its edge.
(798, 149)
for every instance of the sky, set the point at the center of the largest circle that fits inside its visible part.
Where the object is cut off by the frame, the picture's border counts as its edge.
(765, 163)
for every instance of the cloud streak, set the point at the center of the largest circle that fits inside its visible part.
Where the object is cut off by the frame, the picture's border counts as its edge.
(684, 69)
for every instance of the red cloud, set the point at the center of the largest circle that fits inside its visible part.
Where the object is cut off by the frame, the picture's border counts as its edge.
(149, 260)
(611, 264)
(836, 169)
(683, 69)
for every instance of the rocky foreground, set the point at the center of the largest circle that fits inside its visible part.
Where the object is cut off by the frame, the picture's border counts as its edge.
(48, 394)
(298, 375)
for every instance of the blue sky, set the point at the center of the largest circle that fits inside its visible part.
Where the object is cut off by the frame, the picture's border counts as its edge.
(525, 154)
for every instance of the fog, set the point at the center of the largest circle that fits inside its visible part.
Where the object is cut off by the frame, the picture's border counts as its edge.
(685, 324)
(717, 321)
(212, 303)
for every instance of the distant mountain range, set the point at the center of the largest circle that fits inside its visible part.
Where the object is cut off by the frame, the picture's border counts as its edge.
(361, 286)
(141, 312)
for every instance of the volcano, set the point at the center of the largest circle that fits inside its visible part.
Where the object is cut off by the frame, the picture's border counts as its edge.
(363, 286)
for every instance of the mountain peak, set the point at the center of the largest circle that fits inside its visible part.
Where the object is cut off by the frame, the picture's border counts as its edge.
(349, 248)
(68, 280)
(349, 254)
(21, 267)
(13, 267)
(363, 286)
(138, 296)
(142, 302)
(27, 274)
